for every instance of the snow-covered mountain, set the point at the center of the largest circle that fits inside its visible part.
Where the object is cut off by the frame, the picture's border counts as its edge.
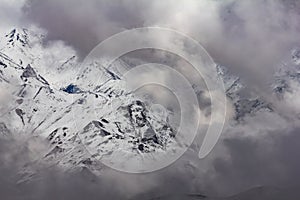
(244, 104)
(45, 94)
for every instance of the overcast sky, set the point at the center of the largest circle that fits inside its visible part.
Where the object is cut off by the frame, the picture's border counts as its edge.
(250, 37)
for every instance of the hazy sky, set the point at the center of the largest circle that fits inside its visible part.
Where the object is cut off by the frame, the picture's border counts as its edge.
(250, 37)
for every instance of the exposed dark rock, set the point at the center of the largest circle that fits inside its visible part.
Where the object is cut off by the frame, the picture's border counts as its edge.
(19, 101)
(28, 72)
(141, 147)
(104, 120)
(20, 113)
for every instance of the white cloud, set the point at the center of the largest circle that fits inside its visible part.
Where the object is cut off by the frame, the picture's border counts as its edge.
(10, 14)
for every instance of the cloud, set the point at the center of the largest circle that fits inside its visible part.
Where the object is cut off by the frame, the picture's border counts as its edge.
(83, 24)
(249, 44)
(12, 15)
(269, 160)
(249, 37)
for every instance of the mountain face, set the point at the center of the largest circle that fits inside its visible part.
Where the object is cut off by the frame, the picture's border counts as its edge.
(87, 114)
(72, 110)
(244, 105)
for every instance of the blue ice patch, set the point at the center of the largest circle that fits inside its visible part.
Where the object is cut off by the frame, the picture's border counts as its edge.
(72, 89)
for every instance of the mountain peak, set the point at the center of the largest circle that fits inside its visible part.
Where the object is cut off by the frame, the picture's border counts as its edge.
(17, 36)
(21, 37)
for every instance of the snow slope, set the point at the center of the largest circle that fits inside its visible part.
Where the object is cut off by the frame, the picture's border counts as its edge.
(85, 113)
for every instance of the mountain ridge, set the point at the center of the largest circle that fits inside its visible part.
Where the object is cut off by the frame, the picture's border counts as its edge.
(44, 100)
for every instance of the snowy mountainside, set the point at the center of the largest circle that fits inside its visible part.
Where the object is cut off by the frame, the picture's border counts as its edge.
(72, 109)
(44, 93)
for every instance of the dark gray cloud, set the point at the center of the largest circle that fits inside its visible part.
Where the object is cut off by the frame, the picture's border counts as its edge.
(269, 162)
(260, 161)
(229, 30)
(84, 24)
(249, 37)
